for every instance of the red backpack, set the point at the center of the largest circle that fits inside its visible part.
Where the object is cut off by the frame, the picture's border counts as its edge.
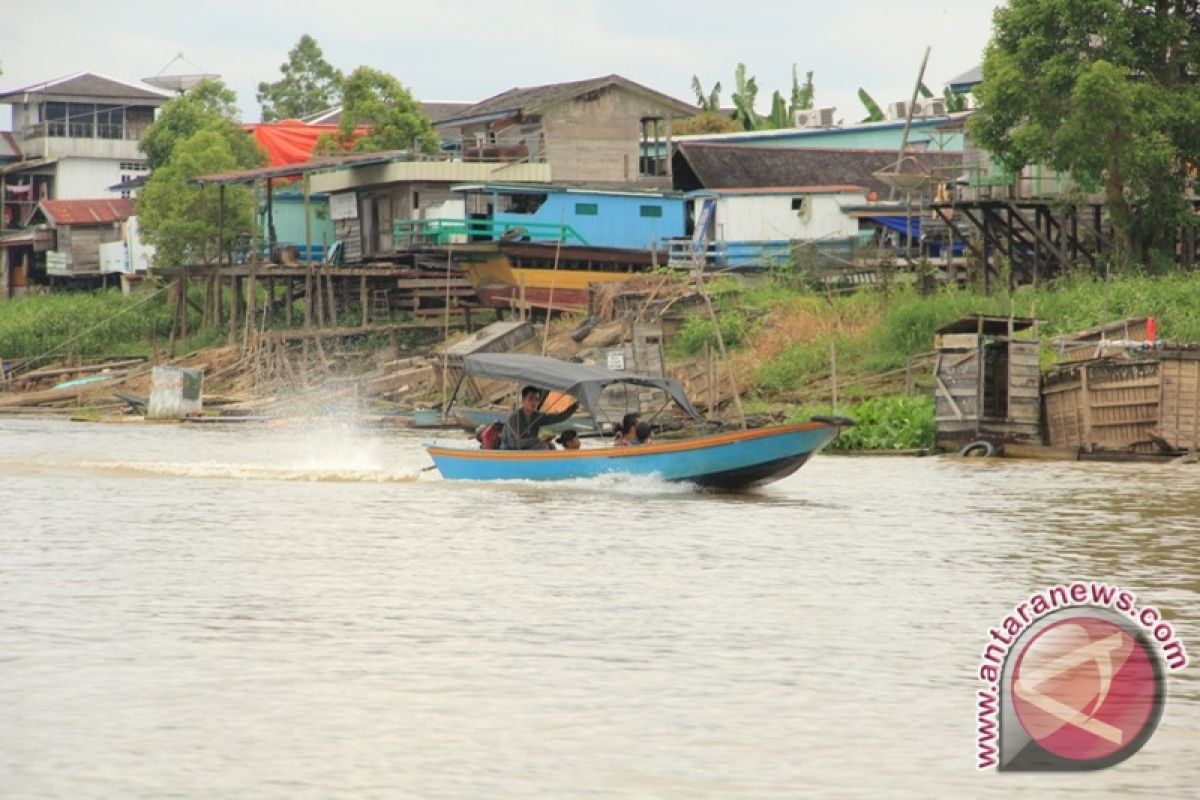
(489, 439)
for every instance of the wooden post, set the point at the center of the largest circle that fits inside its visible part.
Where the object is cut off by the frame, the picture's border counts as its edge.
(332, 300)
(289, 297)
(362, 300)
(251, 302)
(833, 374)
(235, 299)
(183, 305)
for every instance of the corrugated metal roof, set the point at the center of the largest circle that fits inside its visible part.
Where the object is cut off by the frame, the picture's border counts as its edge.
(835, 188)
(436, 110)
(722, 166)
(533, 99)
(305, 168)
(966, 81)
(87, 212)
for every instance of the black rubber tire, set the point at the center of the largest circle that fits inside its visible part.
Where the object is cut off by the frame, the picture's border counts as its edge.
(980, 449)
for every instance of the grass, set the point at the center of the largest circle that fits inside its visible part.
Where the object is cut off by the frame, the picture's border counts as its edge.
(79, 324)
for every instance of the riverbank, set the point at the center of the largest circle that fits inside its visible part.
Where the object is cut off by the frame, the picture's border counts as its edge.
(785, 342)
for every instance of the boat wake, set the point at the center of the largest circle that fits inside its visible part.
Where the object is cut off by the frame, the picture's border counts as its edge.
(218, 470)
(262, 472)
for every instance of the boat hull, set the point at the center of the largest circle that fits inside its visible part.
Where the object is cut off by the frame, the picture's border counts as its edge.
(727, 461)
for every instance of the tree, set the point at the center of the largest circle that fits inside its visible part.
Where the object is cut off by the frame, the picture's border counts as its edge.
(1105, 90)
(705, 122)
(210, 104)
(394, 120)
(309, 84)
(182, 219)
(874, 112)
(744, 95)
(711, 101)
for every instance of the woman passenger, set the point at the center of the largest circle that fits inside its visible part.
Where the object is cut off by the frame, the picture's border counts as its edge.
(569, 439)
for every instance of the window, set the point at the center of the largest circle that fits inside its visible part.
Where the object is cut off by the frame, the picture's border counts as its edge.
(81, 120)
(798, 204)
(109, 122)
(56, 119)
(586, 209)
(651, 211)
(652, 151)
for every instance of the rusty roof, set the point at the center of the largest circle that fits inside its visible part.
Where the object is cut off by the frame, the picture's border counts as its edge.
(330, 164)
(87, 212)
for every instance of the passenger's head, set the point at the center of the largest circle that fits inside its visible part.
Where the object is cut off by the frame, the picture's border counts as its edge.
(643, 431)
(529, 398)
(569, 439)
(628, 423)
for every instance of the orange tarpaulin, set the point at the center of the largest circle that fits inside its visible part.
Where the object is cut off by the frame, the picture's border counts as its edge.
(291, 141)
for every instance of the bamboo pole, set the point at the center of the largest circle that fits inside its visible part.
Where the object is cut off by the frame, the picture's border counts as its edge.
(712, 314)
(553, 281)
(446, 330)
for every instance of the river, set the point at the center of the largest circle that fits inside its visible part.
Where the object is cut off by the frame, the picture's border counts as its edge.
(302, 612)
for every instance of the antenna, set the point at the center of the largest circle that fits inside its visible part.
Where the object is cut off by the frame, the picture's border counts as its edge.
(179, 82)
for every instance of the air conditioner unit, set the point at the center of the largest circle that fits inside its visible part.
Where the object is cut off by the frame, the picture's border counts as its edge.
(898, 110)
(935, 107)
(825, 117)
(806, 118)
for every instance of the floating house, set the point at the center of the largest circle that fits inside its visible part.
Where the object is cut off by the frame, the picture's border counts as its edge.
(987, 383)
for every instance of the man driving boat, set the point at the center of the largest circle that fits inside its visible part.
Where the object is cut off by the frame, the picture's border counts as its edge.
(523, 425)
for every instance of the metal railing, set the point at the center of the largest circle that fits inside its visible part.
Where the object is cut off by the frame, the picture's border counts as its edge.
(436, 232)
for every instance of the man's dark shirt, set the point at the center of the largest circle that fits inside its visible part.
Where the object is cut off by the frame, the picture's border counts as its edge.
(521, 429)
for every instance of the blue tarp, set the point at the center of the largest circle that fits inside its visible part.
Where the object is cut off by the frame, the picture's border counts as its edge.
(913, 228)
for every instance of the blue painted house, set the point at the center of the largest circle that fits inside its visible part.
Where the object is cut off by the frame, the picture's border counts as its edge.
(287, 213)
(633, 219)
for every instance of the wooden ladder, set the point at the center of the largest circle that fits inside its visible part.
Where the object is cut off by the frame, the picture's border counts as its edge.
(381, 305)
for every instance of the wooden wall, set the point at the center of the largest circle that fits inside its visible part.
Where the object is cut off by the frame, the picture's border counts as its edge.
(1180, 391)
(1103, 405)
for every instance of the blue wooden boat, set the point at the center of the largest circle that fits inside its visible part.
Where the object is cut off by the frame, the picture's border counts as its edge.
(727, 460)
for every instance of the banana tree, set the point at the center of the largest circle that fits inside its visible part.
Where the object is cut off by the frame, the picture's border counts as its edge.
(874, 112)
(711, 101)
(743, 100)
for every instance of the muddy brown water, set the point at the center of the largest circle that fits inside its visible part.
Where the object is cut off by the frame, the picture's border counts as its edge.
(301, 611)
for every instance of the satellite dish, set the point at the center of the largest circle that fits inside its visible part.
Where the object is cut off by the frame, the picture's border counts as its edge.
(180, 82)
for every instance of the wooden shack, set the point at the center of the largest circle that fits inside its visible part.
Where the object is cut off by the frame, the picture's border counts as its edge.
(81, 226)
(1109, 404)
(987, 383)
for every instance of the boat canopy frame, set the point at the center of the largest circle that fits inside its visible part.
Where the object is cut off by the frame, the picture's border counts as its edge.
(584, 382)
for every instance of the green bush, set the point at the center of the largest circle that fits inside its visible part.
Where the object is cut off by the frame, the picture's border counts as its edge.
(893, 422)
(82, 324)
(698, 332)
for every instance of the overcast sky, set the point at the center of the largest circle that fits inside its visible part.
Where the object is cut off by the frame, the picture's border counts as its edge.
(454, 50)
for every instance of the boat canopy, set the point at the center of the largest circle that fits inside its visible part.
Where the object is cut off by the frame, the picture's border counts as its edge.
(582, 381)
